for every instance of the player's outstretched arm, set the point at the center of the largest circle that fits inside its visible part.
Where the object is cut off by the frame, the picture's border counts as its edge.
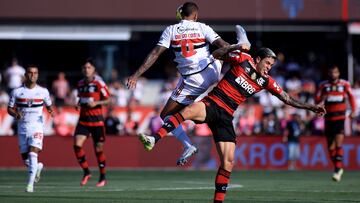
(221, 52)
(148, 62)
(287, 99)
(220, 43)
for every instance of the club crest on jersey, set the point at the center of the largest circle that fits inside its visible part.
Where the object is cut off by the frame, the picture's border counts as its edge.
(30, 102)
(341, 88)
(91, 89)
(253, 76)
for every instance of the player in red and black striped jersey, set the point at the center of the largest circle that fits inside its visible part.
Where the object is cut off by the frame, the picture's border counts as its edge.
(334, 93)
(93, 94)
(245, 78)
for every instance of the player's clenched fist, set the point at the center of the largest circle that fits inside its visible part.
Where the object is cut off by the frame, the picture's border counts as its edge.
(131, 83)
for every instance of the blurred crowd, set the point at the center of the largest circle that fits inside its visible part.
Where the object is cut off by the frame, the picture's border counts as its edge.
(262, 114)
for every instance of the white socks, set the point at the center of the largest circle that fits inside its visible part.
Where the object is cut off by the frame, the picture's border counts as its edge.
(33, 166)
(180, 134)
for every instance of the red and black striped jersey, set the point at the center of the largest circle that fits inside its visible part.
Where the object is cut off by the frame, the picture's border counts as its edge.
(95, 90)
(334, 95)
(240, 82)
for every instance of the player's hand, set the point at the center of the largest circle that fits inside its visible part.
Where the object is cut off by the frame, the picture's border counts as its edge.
(19, 115)
(319, 110)
(92, 104)
(244, 47)
(52, 114)
(131, 83)
(352, 115)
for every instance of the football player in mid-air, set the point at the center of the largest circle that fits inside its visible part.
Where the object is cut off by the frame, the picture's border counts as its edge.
(333, 93)
(190, 41)
(93, 94)
(246, 77)
(26, 106)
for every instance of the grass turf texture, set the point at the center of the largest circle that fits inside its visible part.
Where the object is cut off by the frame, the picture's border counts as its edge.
(181, 187)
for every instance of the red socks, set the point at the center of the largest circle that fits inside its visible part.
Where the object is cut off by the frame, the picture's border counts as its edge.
(221, 183)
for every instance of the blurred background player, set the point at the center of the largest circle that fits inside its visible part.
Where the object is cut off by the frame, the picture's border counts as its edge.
(334, 93)
(199, 70)
(245, 78)
(93, 94)
(26, 106)
(294, 129)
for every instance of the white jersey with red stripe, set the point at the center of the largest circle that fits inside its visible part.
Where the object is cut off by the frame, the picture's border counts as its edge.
(190, 42)
(30, 103)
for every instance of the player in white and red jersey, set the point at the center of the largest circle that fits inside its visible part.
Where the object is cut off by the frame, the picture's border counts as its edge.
(190, 41)
(26, 105)
(245, 78)
(334, 93)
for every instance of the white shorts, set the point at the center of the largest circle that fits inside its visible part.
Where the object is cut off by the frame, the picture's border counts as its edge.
(192, 86)
(30, 135)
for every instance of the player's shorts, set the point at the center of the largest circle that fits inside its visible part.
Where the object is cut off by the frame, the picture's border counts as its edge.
(30, 135)
(219, 122)
(97, 132)
(191, 86)
(333, 128)
(294, 151)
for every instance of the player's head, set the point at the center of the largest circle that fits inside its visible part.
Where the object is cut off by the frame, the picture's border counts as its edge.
(88, 68)
(334, 73)
(31, 74)
(187, 11)
(265, 59)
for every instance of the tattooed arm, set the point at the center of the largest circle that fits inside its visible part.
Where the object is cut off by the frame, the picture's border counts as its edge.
(148, 62)
(287, 99)
(221, 52)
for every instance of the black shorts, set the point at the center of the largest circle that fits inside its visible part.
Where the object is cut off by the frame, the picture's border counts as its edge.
(220, 122)
(333, 128)
(97, 132)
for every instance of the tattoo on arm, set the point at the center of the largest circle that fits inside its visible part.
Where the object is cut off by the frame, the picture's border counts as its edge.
(221, 52)
(287, 99)
(150, 60)
(220, 43)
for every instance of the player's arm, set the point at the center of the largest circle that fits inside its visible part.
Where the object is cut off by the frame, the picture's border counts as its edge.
(148, 62)
(12, 110)
(287, 99)
(14, 113)
(352, 101)
(220, 43)
(220, 53)
(50, 110)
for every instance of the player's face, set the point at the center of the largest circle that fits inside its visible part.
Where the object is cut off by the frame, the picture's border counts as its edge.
(334, 74)
(32, 74)
(88, 70)
(264, 65)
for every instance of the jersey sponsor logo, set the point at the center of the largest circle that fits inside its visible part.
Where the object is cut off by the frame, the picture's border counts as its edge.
(338, 98)
(182, 29)
(86, 100)
(245, 85)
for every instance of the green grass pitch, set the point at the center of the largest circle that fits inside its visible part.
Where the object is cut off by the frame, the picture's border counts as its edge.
(181, 186)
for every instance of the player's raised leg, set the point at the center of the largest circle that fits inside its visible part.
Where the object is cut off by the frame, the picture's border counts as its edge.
(172, 107)
(195, 112)
(81, 158)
